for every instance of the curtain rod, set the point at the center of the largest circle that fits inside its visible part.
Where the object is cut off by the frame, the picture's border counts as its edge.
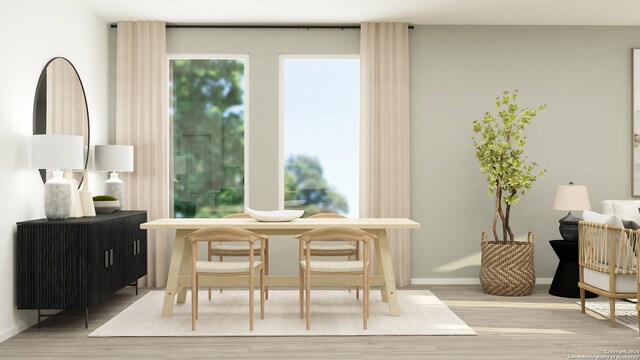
(308, 27)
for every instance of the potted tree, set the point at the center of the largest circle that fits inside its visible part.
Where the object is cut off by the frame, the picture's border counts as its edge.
(507, 265)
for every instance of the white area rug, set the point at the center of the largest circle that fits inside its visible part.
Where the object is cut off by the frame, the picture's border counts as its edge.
(626, 313)
(333, 313)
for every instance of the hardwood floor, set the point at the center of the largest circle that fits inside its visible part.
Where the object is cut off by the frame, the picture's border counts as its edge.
(539, 326)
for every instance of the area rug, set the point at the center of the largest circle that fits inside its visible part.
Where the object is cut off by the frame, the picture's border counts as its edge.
(333, 313)
(626, 313)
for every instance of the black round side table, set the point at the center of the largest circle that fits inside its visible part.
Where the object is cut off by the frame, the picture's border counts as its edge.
(565, 281)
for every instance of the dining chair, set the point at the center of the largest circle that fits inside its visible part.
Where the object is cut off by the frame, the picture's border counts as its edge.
(236, 250)
(349, 250)
(231, 268)
(607, 263)
(334, 269)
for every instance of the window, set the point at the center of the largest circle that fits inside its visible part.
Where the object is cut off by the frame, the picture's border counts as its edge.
(320, 121)
(207, 112)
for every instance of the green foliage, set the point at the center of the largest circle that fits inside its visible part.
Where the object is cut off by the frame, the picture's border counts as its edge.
(208, 116)
(304, 180)
(499, 142)
(104, 198)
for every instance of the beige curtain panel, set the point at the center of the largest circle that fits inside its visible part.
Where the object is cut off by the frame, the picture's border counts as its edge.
(66, 111)
(141, 121)
(385, 133)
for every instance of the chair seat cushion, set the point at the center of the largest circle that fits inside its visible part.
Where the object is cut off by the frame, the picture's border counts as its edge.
(624, 283)
(333, 266)
(227, 267)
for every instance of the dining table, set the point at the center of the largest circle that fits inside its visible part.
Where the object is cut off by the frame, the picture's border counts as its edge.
(179, 277)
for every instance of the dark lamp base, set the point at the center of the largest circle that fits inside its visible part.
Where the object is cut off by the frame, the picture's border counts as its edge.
(569, 227)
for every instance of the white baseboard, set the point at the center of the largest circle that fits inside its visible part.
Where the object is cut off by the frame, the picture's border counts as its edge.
(462, 281)
(18, 328)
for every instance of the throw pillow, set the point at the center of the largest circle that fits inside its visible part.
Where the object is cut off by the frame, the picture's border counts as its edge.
(628, 224)
(612, 220)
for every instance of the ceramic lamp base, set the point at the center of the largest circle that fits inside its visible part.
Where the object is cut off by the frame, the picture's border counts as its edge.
(57, 197)
(115, 187)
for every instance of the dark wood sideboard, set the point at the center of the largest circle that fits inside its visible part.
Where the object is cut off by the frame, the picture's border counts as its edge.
(75, 263)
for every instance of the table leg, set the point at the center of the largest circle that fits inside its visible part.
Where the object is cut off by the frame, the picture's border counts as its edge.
(185, 269)
(385, 267)
(176, 268)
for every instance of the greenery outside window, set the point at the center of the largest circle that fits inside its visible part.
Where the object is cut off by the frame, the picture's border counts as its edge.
(207, 105)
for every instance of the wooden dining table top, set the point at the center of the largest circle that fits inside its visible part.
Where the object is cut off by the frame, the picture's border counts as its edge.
(297, 224)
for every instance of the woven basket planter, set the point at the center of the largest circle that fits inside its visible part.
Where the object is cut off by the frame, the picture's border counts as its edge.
(506, 267)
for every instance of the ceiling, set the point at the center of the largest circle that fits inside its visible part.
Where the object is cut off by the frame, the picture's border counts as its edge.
(344, 12)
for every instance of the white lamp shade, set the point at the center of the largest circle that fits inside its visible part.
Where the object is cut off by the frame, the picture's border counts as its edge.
(118, 158)
(57, 152)
(571, 197)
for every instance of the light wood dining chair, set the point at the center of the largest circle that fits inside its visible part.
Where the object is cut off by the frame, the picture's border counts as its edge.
(334, 269)
(222, 269)
(350, 250)
(236, 250)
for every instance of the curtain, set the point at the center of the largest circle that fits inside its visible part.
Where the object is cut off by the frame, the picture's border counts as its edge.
(141, 121)
(385, 134)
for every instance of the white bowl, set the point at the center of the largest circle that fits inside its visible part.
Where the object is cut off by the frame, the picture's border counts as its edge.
(274, 215)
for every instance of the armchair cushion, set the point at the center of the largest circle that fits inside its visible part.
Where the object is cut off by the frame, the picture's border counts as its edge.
(624, 283)
(626, 211)
(607, 205)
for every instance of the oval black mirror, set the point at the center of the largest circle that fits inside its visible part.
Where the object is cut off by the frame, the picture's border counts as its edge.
(60, 105)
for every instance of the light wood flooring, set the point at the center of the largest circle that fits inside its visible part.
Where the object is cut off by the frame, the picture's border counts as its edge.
(539, 326)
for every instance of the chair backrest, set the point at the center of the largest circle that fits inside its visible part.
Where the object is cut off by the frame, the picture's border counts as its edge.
(335, 233)
(607, 248)
(237, 216)
(224, 233)
(328, 215)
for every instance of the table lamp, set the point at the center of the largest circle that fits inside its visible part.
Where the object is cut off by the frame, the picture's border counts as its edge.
(570, 197)
(114, 158)
(57, 153)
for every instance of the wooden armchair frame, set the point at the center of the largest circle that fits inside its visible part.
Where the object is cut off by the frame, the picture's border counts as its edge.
(221, 252)
(218, 269)
(607, 250)
(306, 265)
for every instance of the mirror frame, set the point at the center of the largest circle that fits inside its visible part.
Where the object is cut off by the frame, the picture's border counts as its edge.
(43, 172)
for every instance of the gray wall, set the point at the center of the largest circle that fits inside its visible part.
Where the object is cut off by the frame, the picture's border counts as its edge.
(582, 73)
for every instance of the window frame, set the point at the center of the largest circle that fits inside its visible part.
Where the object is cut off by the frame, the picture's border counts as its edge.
(281, 59)
(247, 116)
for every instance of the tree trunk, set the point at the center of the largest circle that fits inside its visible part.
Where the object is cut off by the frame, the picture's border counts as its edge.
(498, 198)
(501, 213)
(508, 226)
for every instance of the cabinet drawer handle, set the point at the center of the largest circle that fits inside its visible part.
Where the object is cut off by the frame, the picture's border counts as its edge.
(111, 257)
(106, 259)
